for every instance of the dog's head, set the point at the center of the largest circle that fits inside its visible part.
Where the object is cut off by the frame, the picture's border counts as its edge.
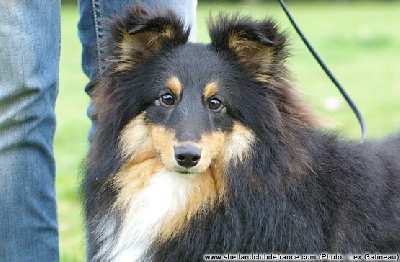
(188, 109)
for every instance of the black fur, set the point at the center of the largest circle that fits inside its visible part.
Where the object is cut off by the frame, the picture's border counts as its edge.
(302, 191)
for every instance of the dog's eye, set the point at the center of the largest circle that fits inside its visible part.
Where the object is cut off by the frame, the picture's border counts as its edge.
(167, 99)
(214, 103)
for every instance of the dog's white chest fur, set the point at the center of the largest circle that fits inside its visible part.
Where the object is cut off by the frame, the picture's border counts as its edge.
(164, 196)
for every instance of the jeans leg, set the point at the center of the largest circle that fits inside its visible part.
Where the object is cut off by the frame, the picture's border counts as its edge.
(29, 58)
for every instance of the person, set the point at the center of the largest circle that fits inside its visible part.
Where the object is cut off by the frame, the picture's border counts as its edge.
(29, 64)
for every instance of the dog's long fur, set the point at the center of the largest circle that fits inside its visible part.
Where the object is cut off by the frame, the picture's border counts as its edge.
(267, 180)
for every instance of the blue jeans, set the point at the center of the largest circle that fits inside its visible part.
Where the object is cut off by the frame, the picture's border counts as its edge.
(29, 62)
(29, 58)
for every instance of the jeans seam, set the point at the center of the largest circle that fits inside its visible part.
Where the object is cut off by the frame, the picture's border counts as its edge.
(98, 20)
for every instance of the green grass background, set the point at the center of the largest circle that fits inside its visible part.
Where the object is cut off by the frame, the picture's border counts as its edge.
(360, 43)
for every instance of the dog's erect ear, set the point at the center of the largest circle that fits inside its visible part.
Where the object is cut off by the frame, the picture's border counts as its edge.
(257, 44)
(143, 32)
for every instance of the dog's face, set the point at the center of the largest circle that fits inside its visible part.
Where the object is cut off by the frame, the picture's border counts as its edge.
(187, 104)
(191, 110)
(188, 113)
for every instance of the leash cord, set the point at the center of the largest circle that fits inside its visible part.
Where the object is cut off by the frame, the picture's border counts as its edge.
(346, 96)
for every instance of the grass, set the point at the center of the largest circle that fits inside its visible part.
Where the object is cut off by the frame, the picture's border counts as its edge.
(360, 43)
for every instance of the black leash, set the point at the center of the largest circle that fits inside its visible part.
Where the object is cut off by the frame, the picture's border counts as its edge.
(349, 101)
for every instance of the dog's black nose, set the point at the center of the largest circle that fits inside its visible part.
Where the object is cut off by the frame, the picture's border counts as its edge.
(187, 155)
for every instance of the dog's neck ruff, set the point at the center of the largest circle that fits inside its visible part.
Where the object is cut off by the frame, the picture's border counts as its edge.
(165, 195)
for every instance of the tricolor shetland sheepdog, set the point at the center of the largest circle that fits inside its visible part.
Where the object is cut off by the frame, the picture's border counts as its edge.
(206, 149)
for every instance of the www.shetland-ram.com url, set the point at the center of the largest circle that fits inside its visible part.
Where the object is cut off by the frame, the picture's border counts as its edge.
(309, 257)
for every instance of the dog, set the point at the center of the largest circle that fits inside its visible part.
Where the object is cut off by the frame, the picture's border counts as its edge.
(208, 149)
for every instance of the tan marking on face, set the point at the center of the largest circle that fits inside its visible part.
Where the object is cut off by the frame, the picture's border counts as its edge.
(135, 141)
(140, 160)
(163, 141)
(174, 85)
(239, 144)
(211, 89)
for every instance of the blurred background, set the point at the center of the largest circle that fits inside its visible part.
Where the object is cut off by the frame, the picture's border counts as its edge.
(359, 40)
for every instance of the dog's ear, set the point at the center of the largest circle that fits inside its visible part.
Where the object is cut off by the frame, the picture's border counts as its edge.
(257, 44)
(141, 33)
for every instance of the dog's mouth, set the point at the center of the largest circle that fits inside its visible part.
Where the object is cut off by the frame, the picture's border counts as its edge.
(187, 171)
